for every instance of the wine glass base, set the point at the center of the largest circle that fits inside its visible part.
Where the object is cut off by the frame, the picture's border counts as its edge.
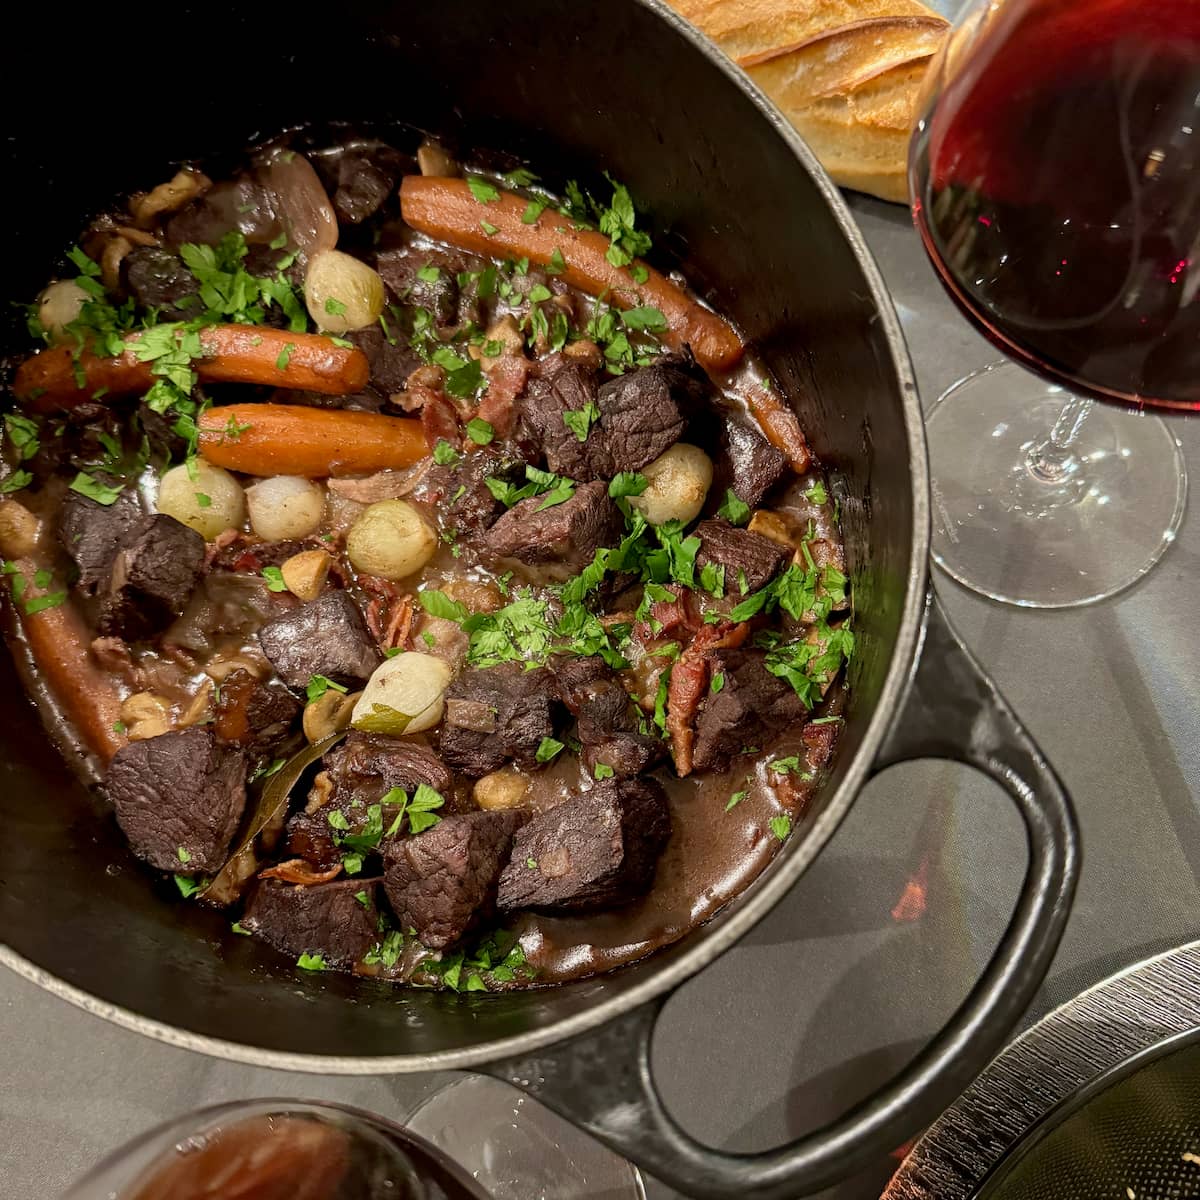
(1002, 530)
(517, 1149)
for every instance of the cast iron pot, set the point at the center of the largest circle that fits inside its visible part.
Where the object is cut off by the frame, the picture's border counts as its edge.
(575, 88)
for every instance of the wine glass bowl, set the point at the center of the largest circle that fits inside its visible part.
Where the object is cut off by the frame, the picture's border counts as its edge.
(1055, 177)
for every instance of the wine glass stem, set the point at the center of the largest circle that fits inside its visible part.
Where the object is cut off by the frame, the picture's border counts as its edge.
(1053, 458)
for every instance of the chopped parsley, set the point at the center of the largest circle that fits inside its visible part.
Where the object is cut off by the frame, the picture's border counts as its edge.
(580, 421)
(519, 177)
(717, 684)
(482, 190)
(285, 356)
(188, 885)
(557, 264)
(274, 578)
(488, 228)
(645, 319)
(603, 771)
(437, 604)
(445, 454)
(387, 951)
(534, 209)
(736, 799)
(429, 273)
(816, 493)
(786, 766)
(318, 685)
(95, 489)
(464, 376)
(480, 431)
(334, 307)
(781, 826)
(310, 962)
(238, 927)
(183, 855)
(734, 509)
(547, 749)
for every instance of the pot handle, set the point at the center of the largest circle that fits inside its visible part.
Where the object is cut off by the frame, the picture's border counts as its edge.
(602, 1080)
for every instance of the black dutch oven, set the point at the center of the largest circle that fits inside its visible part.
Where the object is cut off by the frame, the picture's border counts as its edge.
(744, 207)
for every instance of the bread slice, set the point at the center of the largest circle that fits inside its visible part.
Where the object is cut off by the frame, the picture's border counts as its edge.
(846, 73)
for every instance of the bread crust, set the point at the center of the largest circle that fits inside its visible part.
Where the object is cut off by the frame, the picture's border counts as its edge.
(847, 73)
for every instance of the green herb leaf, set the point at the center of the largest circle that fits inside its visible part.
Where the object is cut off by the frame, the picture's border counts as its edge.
(736, 799)
(429, 274)
(363, 899)
(420, 809)
(547, 749)
(188, 886)
(337, 820)
(310, 962)
(580, 421)
(534, 209)
(519, 177)
(437, 604)
(489, 228)
(480, 431)
(16, 481)
(639, 274)
(238, 927)
(182, 854)
(318, 685)
(334, 307)
(627, 483)
(646, 319)
(274, 578)
(816, 493)
(733, 509)
(483, 191)
(94, 489)
(557, 264)
(718, 682)
(285, 356)
(603, 771)
(786, 766)
(445, 454)
(781, 826)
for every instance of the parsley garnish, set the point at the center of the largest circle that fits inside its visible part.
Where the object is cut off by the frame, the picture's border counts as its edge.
(429, 273)
(580, 421)
(483, 191)
(603, 771)
(94, 489)
(310, 962)
(489, 228)
(734, 509)
(274, 578)
(437, 604)
(781, 826)
(519, 177)
(736, 799)
(646, 319)
(557, 264)
(480, 431)
(318, 685)
(188, 886)
(816, 493)
(718, 682)
(445, 454)
(547, 749)
(285, 356)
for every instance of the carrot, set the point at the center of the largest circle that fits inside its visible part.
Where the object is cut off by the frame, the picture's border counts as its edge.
(781, 427)
(445, 209)
(57, 644)
(290, 439)
(232, 354)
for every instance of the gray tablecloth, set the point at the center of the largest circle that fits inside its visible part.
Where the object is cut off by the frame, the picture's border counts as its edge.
(831, 993)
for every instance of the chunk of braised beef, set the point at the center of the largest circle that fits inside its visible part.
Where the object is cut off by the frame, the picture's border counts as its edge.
(92, 533)
(466, 504)
(569, 533)
(327, 919)
(541, 423)
(178, 798)
(749, 706)
(522, 704)
(161, 280)
(746, 463)
(327, 636)
(254, 713)
(390, 357)
(360, 772)
(596, 850)
(442, 882)
(367, 765)
(247, 554)
(401, 270)
(366, 177)
(154, 573)
(750, 560)
(645, 411)
(609, 722)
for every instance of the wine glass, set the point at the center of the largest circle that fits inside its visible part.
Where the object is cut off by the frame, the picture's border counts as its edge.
(1055, 176)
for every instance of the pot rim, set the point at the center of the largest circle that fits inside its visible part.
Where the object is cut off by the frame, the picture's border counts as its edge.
(775, 884)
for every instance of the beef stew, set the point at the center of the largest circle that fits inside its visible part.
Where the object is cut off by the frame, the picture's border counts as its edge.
(436, 474)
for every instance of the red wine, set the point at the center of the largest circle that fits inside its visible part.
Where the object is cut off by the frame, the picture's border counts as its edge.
(1056, 180)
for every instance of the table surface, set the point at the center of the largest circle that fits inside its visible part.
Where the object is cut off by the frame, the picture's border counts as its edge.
(830, 994)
